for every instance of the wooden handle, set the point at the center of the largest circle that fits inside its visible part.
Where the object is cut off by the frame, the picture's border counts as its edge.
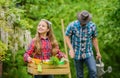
(62, 22)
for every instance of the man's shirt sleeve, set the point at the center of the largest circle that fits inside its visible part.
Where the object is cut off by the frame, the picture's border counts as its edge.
(94, 32)
(68, 30)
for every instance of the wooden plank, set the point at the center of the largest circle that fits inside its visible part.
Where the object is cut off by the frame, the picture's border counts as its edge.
(49, 71)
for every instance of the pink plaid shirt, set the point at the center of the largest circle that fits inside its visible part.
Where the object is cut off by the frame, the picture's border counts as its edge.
(45, 49)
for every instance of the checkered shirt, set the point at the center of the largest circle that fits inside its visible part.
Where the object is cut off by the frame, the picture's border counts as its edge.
(45, 50)
(81, 38)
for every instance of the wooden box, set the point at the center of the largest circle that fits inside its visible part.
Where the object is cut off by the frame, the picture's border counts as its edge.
(49, 69)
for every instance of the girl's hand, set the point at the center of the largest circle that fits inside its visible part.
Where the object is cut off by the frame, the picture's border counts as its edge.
(65, 56)
(61, 55)
(29, 59)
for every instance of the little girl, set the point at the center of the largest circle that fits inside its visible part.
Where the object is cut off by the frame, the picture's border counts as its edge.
(43, 46)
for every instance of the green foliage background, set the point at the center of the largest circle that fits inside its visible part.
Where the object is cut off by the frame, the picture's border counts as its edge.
(105, 14)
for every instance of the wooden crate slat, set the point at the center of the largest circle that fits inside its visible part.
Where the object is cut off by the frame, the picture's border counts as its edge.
(48, 69)
(57, 71)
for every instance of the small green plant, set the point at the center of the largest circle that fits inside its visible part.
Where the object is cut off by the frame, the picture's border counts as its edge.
(3, 49)
(54, 61)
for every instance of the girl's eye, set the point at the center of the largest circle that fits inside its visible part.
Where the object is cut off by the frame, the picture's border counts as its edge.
(41, 25)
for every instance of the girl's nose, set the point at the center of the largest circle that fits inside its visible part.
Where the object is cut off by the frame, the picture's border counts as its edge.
(39, 26)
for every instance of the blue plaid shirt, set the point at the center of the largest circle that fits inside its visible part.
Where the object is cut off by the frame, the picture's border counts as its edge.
(81, 38)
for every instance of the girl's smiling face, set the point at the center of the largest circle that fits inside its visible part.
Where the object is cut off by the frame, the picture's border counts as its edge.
(42, 28)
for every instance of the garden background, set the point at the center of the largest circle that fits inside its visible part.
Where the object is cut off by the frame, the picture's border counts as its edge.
(19, 19)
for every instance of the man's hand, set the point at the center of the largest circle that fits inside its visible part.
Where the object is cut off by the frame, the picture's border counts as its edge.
(71, 53)
(98, 56)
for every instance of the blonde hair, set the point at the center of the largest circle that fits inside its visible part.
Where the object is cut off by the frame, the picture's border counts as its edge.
(51, 37)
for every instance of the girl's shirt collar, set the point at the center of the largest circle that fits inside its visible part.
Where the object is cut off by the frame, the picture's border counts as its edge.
(44, 38)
